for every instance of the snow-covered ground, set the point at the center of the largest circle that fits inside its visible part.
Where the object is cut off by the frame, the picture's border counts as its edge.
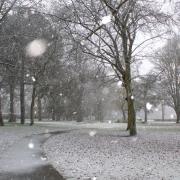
(11, 134)
(102, 151)
(106, 154)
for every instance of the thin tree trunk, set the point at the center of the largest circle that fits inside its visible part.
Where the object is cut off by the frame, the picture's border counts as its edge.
(162, 106)
(145, 114)
(124, 115)
(32, 105)
(178, 117)
(80, 111)
(22, 93)
(39, 109)
(12, 117)
(53, 115)
(1, 117)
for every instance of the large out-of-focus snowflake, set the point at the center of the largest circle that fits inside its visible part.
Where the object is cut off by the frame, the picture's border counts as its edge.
(31, 145)
(36, 48)
(148, 106)
(172, 116)
(132, 97)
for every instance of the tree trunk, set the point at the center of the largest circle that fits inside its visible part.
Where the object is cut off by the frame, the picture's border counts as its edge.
(131, 118)
(53, 114)
(145, 114)
(1, 117)
(99, 111)
(177, 115)
(162, 106)
(12, 117)
(80, 110)
(32, 105)
(124, 115)
(130, 102)
(39, 109)
(22, 93)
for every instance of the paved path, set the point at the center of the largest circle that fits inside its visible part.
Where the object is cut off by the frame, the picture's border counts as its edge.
(26, 161)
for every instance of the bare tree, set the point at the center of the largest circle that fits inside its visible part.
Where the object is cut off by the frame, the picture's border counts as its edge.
(5, 7)
(107, 31)
(168, 65)
(145, 92)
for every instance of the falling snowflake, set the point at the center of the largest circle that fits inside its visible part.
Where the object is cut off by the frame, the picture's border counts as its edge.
(11, 12)
(106, 19)
(132, 97)
(92, 133)
(172, 116)
(36, 48)
(109, 122)
(156, 109)
(94, 178)
(43, 158)
(31, 145)
(82, 42)
(33, 79)
(114, 141)
(119, 83)
(27, 75)
(74, 113)
(148, 106)
(61, 94)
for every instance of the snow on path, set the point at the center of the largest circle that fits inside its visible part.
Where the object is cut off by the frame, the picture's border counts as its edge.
(24, 159)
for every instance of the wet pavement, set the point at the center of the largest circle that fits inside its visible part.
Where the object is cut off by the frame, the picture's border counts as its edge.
(26, 161)
(46, 172)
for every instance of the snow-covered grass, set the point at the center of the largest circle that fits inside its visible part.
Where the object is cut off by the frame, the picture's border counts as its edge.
(103, 151)
(108, 154)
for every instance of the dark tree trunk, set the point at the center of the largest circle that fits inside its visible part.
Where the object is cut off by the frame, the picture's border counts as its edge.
(99, 111)
(145, 113)
(1, 117)
(124, 115)
(22, 93)
(177, 115)
(131, 118)
(80, 111)
(32, 105)
(130, 102)
(79, 116)
(12, 117)
(53, 114)
(39, 109)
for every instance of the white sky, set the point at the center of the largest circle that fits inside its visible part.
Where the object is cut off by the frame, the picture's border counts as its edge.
(150, 47)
